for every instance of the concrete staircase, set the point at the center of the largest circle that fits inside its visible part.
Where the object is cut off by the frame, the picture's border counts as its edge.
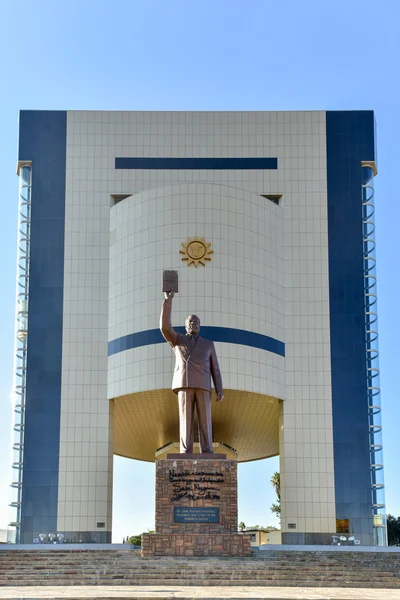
(264, 568)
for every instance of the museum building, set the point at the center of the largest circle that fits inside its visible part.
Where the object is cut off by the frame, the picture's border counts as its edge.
(268, 219)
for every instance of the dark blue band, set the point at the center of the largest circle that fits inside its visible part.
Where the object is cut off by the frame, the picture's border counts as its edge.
(195, 163)
(43, 140)
(349, 140)
(216, 334)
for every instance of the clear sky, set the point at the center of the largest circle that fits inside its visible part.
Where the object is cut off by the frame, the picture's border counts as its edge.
(208, 55)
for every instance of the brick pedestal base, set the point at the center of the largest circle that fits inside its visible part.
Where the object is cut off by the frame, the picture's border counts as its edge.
(196, 509)
(154, 544)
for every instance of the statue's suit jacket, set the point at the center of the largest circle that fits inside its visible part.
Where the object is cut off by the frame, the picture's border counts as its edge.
(193, 369)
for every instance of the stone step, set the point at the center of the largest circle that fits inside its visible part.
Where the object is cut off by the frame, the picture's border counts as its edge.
(190, 570)
(267, 554)
(226, 583)
(267, 568)
(149, 566)
(191, 567)
(54, 575)
(367, 575)
(103, 577)
(99, 572)
(55, 558)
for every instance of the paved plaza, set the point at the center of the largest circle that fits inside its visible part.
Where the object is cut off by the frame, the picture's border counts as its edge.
(164, 592)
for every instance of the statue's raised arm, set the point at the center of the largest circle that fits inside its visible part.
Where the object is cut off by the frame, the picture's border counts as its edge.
(166, 328)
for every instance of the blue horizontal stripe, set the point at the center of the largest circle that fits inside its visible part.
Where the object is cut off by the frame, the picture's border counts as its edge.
(216, 334)
(195, 163)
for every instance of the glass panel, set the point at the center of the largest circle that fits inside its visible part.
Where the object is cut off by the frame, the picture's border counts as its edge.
(21, 336)
(372, 357)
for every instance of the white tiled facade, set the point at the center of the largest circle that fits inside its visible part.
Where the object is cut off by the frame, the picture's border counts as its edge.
(268, 274)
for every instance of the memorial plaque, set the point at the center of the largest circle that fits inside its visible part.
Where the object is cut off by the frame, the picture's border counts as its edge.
(170, 281)
(198, 514)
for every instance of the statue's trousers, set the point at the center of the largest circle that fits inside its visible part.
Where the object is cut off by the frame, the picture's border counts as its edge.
(188, 399)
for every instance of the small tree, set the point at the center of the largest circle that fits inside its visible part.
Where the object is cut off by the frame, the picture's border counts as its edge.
(134, 540)
(276, 483)
(242, 526)
(393, 529)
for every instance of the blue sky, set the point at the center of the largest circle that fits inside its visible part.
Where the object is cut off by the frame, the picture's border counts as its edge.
(208, 55)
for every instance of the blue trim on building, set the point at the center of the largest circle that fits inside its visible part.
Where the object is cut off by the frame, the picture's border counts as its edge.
(350, 140)
(42, 140)
(216, 334)
(196, 163)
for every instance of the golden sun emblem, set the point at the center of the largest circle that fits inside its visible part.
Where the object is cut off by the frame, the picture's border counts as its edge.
(196, 251)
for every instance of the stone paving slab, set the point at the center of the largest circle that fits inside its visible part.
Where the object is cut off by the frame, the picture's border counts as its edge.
(194, 593)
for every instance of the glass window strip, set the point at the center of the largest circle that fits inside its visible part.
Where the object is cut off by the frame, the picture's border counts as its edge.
(372, 354)
(21, 339)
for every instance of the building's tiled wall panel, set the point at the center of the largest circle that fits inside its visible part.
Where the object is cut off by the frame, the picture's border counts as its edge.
(85, 464)
(306, 449)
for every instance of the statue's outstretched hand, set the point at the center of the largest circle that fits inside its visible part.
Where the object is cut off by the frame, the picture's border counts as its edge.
(220, 397)
(169, 294)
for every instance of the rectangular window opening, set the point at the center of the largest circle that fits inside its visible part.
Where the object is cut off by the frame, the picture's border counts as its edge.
(275, 198)
(115, 198)
(342, 525)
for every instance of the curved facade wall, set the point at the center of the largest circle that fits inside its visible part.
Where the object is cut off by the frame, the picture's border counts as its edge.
(241, 288)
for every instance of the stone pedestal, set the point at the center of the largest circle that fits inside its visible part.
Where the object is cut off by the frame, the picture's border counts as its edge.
(196, 509)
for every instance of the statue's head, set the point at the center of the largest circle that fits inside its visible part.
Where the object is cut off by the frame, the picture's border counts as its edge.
(192, 325)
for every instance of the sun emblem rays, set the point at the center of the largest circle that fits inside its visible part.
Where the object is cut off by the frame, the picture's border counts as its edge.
(196, 251)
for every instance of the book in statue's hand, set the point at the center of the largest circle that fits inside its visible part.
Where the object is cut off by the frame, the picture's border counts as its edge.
(170, 281)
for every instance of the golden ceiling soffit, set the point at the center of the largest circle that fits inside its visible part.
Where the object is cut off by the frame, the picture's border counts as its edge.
(196, 251)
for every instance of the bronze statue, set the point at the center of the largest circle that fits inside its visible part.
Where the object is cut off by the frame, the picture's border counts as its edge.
(196, 362)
